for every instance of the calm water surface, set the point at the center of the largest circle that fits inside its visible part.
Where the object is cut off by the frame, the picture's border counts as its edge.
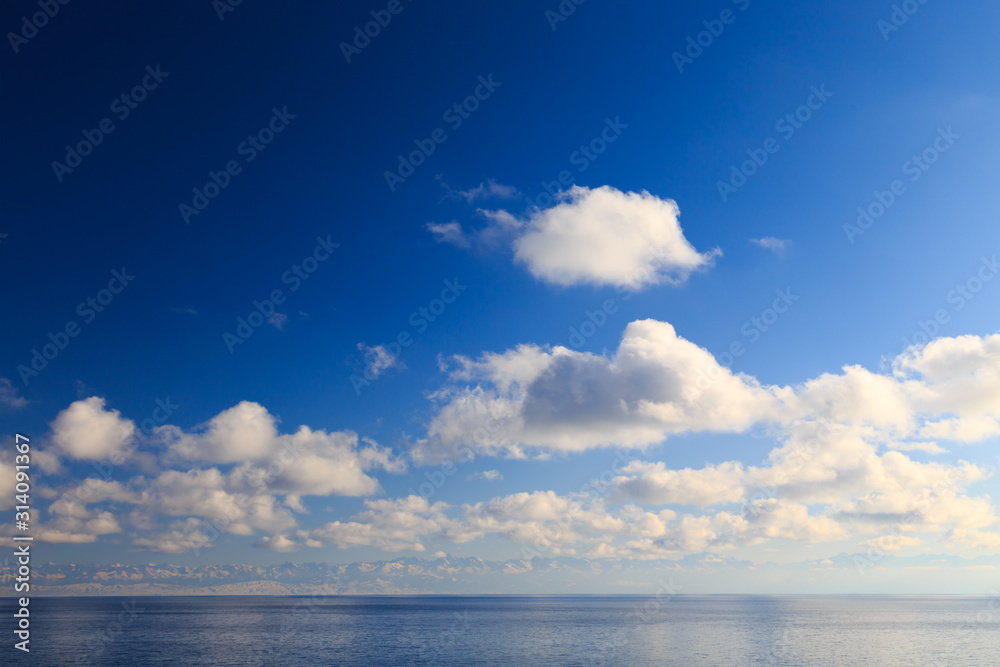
(511, 630)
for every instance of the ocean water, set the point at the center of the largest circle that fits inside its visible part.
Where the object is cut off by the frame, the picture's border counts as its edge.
(683, 630)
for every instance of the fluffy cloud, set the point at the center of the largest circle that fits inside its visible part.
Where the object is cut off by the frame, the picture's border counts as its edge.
(245, 431)
(391, 525)
(955, 375)
(257, 486)
(974, 539)
(320, 464)
(86, 430)
(543, 522)
(180, 537)
(654, 483)
(557, 399)
(599, 236)
(840, 467)
(76, 530)
(608, 237)
(306, 462)
(533, 399)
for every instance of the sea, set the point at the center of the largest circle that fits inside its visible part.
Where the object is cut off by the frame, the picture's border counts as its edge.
(682, 630)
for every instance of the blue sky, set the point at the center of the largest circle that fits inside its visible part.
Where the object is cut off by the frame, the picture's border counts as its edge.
(525, 277)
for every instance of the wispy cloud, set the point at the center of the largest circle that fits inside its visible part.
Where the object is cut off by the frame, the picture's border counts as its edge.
(488, 475)
(449, 232)
(9, 395)
(278, 321)
(489, 189)
(773, 244)
(378, 360)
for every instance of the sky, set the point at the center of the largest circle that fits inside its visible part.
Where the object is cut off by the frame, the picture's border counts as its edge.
(357, 281)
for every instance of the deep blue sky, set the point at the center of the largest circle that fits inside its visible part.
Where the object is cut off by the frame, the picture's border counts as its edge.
(323, 176)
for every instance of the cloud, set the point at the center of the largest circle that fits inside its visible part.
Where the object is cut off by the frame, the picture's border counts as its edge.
(544, 522)
(599, 236)
(87, 431)
(926, 447)
(958, 375)
(10, 396)
(890, 543)
(488, 475)
(489, 189)
(279, 543)
(839, 467)
(391, 525)
(449, 232)
(74, 530)
(654, 483)
(974, 539)
(181, 537)
(378, 360)
(259, 490)
(534, 399)
(278, 321)
(778, 246)
(245, 431)
(306, 462)
(608, 237)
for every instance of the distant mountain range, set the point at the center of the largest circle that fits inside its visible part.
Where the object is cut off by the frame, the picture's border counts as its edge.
(695, 573)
